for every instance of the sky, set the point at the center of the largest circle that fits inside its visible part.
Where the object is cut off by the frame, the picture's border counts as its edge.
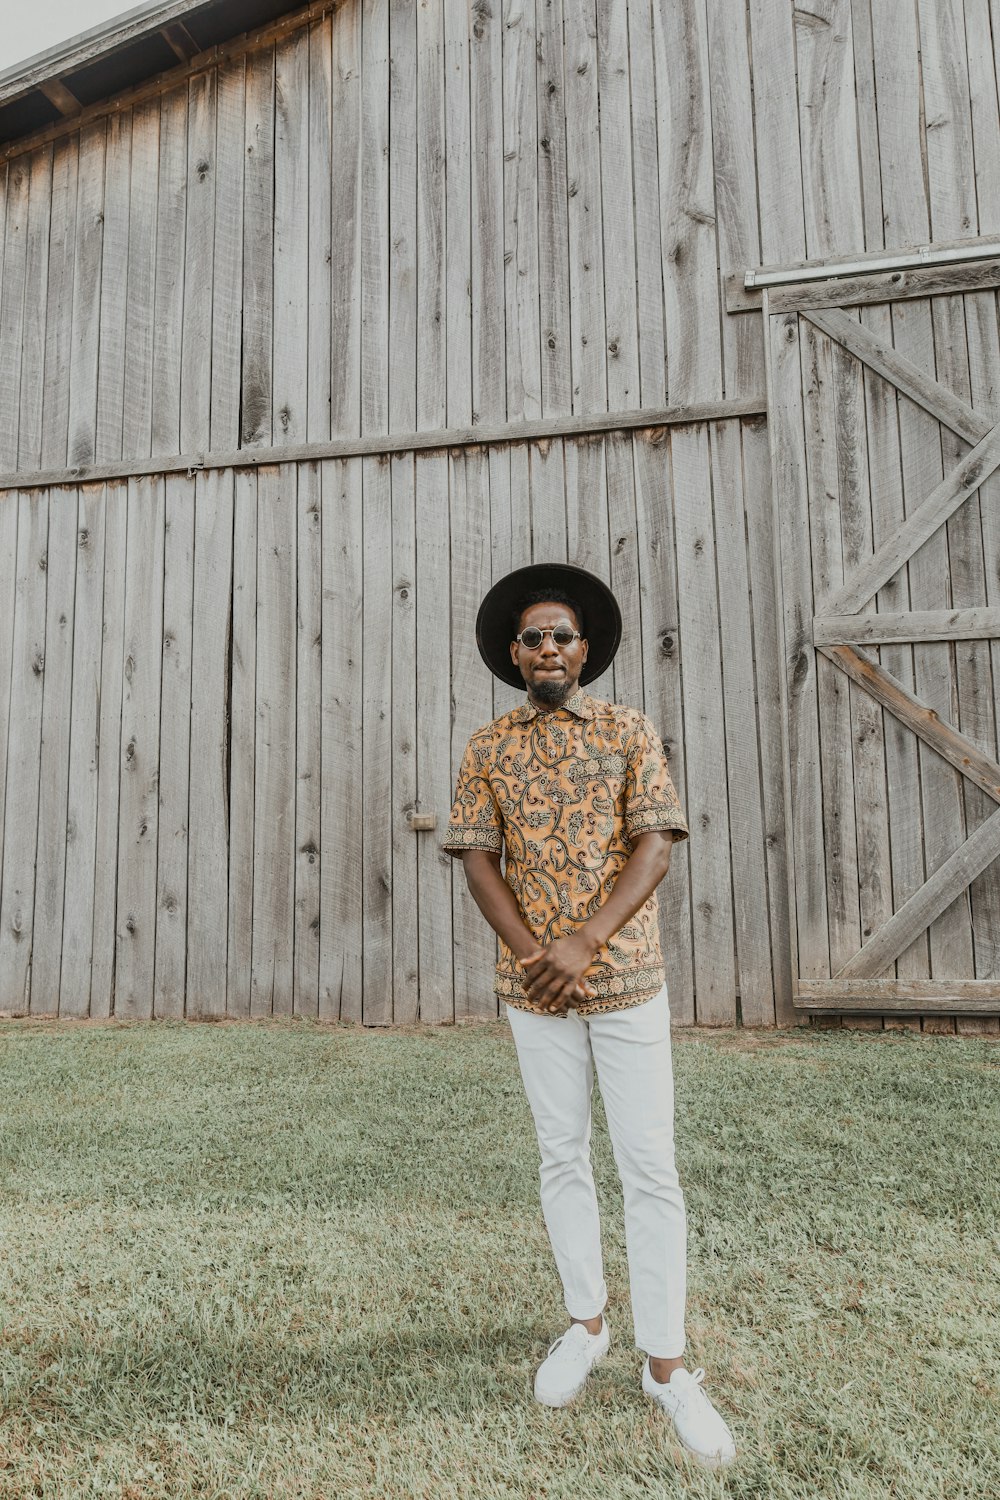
(36, 25)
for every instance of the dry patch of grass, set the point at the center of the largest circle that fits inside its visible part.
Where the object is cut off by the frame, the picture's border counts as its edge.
(302, 1260)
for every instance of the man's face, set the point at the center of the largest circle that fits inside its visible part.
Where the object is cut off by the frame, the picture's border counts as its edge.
(551, 673)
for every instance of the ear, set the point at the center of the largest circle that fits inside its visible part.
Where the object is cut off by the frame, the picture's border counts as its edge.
(513, 652)
(585, 648)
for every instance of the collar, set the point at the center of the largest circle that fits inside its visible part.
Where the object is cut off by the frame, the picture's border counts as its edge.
(579, 705)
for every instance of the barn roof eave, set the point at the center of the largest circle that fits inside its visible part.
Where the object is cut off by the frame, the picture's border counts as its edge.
(124, 51)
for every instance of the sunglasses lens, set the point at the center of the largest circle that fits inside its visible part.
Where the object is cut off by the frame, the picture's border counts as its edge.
(531, 638)
(562, 636)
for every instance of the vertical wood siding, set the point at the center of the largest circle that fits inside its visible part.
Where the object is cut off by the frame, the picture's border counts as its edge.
(255, 666)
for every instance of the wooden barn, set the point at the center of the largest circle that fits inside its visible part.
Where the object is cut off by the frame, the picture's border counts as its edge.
(309, 331)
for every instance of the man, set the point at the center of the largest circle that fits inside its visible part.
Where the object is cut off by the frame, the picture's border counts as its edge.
(577, 794)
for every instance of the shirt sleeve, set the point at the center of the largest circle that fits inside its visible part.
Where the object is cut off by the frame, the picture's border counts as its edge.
(650, 799)
(475, 821)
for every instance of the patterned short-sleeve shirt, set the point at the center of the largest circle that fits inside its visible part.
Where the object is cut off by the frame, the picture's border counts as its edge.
(562, 794)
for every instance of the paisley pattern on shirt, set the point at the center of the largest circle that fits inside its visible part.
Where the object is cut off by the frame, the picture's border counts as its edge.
(563, 794)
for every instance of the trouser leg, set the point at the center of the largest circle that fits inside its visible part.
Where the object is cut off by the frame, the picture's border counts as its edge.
(557, 1070)
(631, 1050)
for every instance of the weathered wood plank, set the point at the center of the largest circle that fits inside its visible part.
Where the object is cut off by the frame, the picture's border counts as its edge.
(345, 210)
(553, 226)
(308, 732)
(291, 239)
(548, 502)
(137, 413)
(169, 979)
(434, 789)
(168, 302)
(340, 955)
(779, 162)
(208, 862)
(271, 979)
(84, 752)
(821, 505)
(588, 546)
(9, 507)
(458, 224)
(945, 740)
(947, 883)
(57, 729)
(109, 739)
(921, 524)
(618, 209)
(402, 216)
(831, 186)
(374, 211)
(114, 287)
(27, 658)
(242, 745)
(59, 303)
(618, 495)
(12, 307)
(29, 432)
(87, 296)
(489, 384)
(376, 741)
(940, 997)
(743, 768)
(406, 893)
(886, 361)
(431, 375)
(876, 287)
(704, 747)
(735, 186)
(227, 283)
(804, 795)
(766, 615)
(202, 184)
(380, 444)
(135, 923)
(902, 772)
(318, 394)
(687, 201)
(256, 422)
(664, 695)
(520, 204)
(472, 707)
(510, 527)
(588, 339)
(646, 179)
(980, 623)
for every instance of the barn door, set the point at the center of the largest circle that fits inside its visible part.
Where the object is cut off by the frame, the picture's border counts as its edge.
(885, 450)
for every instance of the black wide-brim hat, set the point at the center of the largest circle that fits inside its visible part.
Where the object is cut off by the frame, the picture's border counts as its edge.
(601, 617)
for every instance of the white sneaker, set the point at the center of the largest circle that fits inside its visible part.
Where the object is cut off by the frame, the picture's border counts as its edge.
(563, 1373)
(698, 1425)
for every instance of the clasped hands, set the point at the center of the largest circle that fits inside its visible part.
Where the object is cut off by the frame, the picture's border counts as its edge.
(553, 977)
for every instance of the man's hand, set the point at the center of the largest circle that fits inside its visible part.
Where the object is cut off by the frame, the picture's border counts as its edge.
(554, 975)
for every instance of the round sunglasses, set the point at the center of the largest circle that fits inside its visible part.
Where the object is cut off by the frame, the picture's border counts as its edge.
(561, 635)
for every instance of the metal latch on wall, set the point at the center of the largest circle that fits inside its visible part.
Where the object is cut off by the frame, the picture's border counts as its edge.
(421, 822)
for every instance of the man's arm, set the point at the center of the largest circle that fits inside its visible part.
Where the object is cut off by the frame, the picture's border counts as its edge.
(498, 905)
(555, 972)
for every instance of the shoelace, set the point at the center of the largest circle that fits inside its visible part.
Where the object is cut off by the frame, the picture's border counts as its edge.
(564, 1336)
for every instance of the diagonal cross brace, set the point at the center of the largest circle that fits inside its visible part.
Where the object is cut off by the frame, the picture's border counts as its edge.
(941, 503)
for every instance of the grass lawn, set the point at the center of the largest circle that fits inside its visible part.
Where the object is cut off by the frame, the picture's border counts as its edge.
(298, 1260)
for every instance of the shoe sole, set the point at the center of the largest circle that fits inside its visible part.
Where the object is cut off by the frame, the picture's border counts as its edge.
(567, 1400)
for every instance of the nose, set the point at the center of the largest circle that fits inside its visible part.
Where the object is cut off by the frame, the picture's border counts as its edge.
(548, 646)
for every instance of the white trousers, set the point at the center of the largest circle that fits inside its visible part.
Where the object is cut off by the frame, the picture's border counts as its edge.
(631, 1052)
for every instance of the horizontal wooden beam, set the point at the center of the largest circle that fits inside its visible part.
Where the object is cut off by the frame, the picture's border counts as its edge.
(859, 291)
(64, 100)
(941, 503)
(930, 997)
(943, 738)
(912, 992)
(180, 41)
(544, 430)
(914, 625)
(886, 361)
(937, 893)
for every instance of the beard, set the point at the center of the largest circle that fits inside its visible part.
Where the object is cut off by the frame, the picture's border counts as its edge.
(551, 692)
